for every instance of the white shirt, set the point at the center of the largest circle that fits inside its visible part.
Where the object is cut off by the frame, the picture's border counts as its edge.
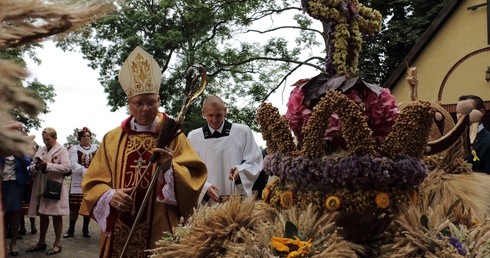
(220, 155)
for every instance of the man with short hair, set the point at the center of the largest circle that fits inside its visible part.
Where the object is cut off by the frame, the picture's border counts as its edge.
(233, 158)
(480, 148)
(119, 164)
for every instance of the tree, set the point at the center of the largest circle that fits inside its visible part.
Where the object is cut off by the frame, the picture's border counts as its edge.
(245, 62)
(72, 139)
(404, 22)
(214, 33)
(43, 93)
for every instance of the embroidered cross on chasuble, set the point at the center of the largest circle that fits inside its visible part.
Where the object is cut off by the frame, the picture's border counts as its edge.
(135, 160)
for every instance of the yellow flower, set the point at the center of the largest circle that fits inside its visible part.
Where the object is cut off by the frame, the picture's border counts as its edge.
(382, 200)
(286, 199)
(265, 194)
(293, 247)
(279, 243)
(332, 203)
(304, 248)
(294, 254)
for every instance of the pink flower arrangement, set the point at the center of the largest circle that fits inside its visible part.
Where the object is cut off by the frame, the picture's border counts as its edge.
(381, 110)
(297, 113)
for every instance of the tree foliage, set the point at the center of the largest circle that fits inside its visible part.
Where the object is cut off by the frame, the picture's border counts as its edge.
(404, 22)
(44, 93)
(249, 47)
(214, 33)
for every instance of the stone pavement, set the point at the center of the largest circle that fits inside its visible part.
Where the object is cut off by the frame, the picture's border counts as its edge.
(75, 247)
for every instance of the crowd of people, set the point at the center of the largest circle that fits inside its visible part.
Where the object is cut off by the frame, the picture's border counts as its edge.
(134, 188)
(25, 180)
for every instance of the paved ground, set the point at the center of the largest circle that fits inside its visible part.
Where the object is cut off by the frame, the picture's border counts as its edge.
(76, 247)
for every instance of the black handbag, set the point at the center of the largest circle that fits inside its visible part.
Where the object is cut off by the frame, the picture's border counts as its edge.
(53, 190)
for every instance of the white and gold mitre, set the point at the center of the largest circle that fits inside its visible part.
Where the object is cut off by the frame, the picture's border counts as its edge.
(140, 74)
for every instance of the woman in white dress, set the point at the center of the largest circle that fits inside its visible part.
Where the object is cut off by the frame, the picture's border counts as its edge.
(80, 157)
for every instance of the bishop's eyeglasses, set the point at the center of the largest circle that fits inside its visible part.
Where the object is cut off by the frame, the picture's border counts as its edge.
(141, 104)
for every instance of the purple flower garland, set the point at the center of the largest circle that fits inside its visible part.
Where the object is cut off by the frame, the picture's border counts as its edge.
(356, 172)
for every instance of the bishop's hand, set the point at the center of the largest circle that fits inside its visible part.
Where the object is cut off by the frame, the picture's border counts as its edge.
(121, 200)
(164, 158)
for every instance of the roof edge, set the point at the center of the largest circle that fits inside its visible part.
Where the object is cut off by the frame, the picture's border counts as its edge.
(420, 45)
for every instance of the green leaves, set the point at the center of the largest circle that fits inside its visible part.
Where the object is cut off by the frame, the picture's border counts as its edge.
(424, 221)
(404, 22)
(241, 64)
(291, 231)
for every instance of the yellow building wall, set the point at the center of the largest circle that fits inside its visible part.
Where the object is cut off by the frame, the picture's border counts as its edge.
(462, 34)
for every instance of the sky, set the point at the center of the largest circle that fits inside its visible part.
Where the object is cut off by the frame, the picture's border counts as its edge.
(80, 99)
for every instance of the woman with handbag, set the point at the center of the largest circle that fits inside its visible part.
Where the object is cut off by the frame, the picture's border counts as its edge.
(49, 193)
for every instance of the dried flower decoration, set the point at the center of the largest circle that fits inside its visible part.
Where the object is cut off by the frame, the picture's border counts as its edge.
(365, 167)
(376, 103)
(332, 203)
(346, 19)
(275, 130)
(291, 244)
(382, 200)
(265, 194)
(292, 247)
(287, 199)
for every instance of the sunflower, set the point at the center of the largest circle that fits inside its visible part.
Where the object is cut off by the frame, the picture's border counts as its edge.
(332, 203)
(382, 200)
(293, 247)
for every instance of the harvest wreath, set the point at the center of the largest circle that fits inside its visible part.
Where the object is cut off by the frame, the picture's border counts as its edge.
(352, 181)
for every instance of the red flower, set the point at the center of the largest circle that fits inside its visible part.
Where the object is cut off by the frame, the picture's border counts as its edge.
(297, 113)
(381, 110)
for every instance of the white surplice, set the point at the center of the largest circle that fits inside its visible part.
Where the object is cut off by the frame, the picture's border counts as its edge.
(220, 155)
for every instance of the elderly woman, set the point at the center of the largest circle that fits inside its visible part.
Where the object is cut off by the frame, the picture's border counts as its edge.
(50, 164)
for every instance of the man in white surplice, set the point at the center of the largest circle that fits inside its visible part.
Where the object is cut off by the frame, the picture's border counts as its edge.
(233, 158)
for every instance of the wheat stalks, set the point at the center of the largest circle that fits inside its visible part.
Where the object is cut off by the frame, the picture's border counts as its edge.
(30, 21)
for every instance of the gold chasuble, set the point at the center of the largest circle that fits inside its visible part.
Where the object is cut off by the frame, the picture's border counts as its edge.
(120, 162)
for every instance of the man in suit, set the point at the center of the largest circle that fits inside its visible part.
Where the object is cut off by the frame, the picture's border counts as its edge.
(480, 147)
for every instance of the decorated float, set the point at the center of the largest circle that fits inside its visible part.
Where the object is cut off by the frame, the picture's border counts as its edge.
(353, 172)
